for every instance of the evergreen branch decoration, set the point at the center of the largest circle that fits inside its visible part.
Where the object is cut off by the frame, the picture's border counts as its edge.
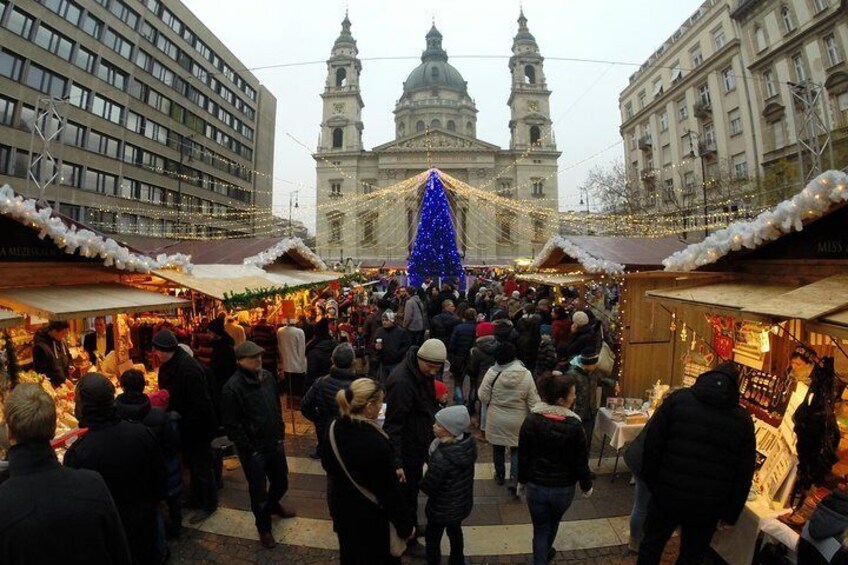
(260, 296)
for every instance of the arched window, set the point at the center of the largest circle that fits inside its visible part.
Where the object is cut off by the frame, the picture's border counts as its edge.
(451, 125)
(419, 126)
(338, 138)
(335, 221)
(469, 129)
(401, 130)
(535, 135)
(530, 74)
(341, 77)
(504, 222)
(788, 20)
(434, 72)
(436, 123)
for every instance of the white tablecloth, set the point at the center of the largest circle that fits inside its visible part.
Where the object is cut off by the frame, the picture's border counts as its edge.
(737, 545)
(619, 433)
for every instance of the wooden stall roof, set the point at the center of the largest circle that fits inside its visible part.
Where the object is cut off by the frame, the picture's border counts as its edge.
(734, 296)
(231, 251)
(554, 279)
(9, 319)
(807, 302)
(80, 301)
(633, 253)
(217, 280)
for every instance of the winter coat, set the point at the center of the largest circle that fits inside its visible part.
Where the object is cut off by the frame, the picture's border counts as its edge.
(368, 456)
(291, 346)
(482, 357)
(700, 452)
(584, 337)
(319, 403)
(552, 449)
(505, 332)
(410, 410)
(319, 359)
(222, 365)
(413, 315)
(442, 326)
(184, 379)
(71, 510)
(510, 399)
(459, 347)
(449, 482)
(513, 307)
(546, 359)
(129, 459)
(529, 338)
(561, 331)
(50, 358)
(253, 419)
(265, 336)
(585, 389)
(825, 529)
(396, 342)
(89, 344)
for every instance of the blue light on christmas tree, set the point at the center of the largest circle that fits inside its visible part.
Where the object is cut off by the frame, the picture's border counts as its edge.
(435, 253)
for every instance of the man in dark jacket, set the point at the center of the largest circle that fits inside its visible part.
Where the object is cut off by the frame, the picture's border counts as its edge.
(529, 337)
(410, 409)
(127, 457)
(443, 324)
(50, 354)
(821, 541)
(253, 420)
(586, 386)
(184, 379)
(318, 353)
(50, 513)
(699, 457)
(99, 342)
(459, 348)
(584, 334)
(480, 360)
(504, 329)
(319, 404)
(222, 362)
(391, 342)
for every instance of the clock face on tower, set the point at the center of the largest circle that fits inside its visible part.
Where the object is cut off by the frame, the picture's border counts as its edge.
(532, 105)
(338, 108)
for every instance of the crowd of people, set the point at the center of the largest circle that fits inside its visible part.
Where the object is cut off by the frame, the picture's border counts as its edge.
(405, 385)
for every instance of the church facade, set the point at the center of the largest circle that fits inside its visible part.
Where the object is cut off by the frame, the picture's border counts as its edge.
(435, 125)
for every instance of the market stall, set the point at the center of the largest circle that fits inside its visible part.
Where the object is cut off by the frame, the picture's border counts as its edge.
(778, 307)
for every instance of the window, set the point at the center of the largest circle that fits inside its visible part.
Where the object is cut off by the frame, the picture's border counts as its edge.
(117, 44)
(172, 21)
(103, 144)
(760, 40)
(735, 120)
(92, 26)
(166, 46)
(369, 232)
(834, 57)
(689, 183)
(110, 73)
(132, 154)
(65, 8)
(341, 78)
(628, 110)
(658, 88)
(436, 123)
(633, 140)
(124, 13)
(682, 109)
(79, 96)
(158, 101)
(800, 69)
(718, 38)
(709, 136)
(107, 109)
(335, 230)
(71, 175)
(336, 188)
(98, 181)
(538, 187)
(696, 56)
(11, 66)
(504, 227)
(729, 79)
(535, 135)
(664, 121)
(819, 6)
(156, 132)
(676, 73)
(54, 42)
(7, 110)
(162, 73)
(770, 83)
(147, 31)
(788, 20)
(84, 59)
(338, 138)
(20, 23)
(666, 155)
(539, 229)
(740, 166)
(668, 190)
(5, 157)
(642, 100)
(451, 127)
(44, 81)
(647, 129)
(529, 74)
(704, 94)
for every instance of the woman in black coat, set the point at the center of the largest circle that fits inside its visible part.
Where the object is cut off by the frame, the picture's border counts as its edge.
(552, 458)
(362, 526)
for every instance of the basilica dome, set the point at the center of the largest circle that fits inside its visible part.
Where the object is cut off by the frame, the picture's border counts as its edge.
(434, 70)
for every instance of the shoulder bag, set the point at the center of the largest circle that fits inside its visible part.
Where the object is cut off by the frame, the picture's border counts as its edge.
(397, 545)
(606, 358)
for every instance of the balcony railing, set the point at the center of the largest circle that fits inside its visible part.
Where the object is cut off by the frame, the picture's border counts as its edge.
(703, 109)
(645, 143)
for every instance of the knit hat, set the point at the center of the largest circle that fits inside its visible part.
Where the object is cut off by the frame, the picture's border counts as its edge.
(580, 318)
(485, 328)
(389, 316)
(516, 294)
(454, 419)
(589, 356)
(95, 399)
(165, 340)
(160, 398)
(441, 389)
(248, 349)
(546, 329)
(433, 351)
(187, 349)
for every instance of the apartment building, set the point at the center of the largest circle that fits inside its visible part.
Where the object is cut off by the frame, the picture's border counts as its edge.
(165, 134)
(707, 120)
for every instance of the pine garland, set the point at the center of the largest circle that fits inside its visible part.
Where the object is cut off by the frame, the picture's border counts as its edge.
(260, 296)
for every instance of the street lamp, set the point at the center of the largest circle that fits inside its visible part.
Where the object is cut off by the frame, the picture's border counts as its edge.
(293, 197)
(692, 155)
(586, 190)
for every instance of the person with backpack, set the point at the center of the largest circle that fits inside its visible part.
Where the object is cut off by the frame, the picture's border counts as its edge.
(319, 404)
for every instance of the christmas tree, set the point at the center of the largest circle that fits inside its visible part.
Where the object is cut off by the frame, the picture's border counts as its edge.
(434, 253)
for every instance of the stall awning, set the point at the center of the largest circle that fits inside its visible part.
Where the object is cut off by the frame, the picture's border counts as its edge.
(731, 296)
(80, 301)
(9, 319)
(807, 302)
(554, 279)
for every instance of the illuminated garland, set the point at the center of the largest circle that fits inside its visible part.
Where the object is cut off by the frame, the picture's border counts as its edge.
(296, 244)
(260, 296)
(590, 263)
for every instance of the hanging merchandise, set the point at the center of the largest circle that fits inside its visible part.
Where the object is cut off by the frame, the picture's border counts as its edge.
(695, 363)
(816, 428)
(722, 335)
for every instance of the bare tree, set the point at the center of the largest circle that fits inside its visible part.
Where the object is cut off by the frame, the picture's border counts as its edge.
(611, 189)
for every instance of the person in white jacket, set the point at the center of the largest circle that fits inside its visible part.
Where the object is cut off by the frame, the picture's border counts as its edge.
(510, 393)
(291, 347)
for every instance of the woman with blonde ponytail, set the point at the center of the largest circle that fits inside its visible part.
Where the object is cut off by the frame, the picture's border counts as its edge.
(358, 451)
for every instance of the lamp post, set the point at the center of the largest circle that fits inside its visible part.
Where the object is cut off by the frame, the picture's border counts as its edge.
(692, 155)
(293, 197)
(586, 190)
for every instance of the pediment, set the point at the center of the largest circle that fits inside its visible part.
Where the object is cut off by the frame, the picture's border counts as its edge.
(435, 140)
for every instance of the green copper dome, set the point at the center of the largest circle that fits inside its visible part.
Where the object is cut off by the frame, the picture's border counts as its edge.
(434, 70)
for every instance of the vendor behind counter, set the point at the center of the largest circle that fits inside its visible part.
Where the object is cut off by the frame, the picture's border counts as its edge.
(51, 356)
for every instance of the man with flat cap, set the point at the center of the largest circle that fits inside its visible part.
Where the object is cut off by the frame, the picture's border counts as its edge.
(253, 420)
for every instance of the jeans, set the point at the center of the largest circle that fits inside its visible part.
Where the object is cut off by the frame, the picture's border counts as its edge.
(639, 513)
(547, 506)
(589, 430)
(433, 537)
(458, 381)
(203, 490)
(694, 538)
(265, 498)
(499, 455)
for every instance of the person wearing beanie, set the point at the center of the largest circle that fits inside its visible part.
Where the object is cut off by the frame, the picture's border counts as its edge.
(514, 305)
(391, 342)
(319, 403)
(698, 462)
(561, 325)
(546, 360)
(128, 458)
(480, 359)
(185, 380)
(587, 379)
(319, 352)
(459, 349)
(449, 483)
(222, 362)
(253, 420)
(441, 393)
(584, 334)
(411, 406)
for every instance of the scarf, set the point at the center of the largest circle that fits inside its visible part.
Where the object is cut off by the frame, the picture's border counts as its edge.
(561, 411)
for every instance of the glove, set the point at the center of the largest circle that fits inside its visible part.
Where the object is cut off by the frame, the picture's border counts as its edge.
(588, 493)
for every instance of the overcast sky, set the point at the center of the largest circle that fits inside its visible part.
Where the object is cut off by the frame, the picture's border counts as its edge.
(584, 103)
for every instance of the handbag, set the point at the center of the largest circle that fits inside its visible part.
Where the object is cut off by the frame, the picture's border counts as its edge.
(606, 358)
(484, 406)
(397, 545)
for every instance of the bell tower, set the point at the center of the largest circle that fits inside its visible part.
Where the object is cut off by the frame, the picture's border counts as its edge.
(341, 126)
